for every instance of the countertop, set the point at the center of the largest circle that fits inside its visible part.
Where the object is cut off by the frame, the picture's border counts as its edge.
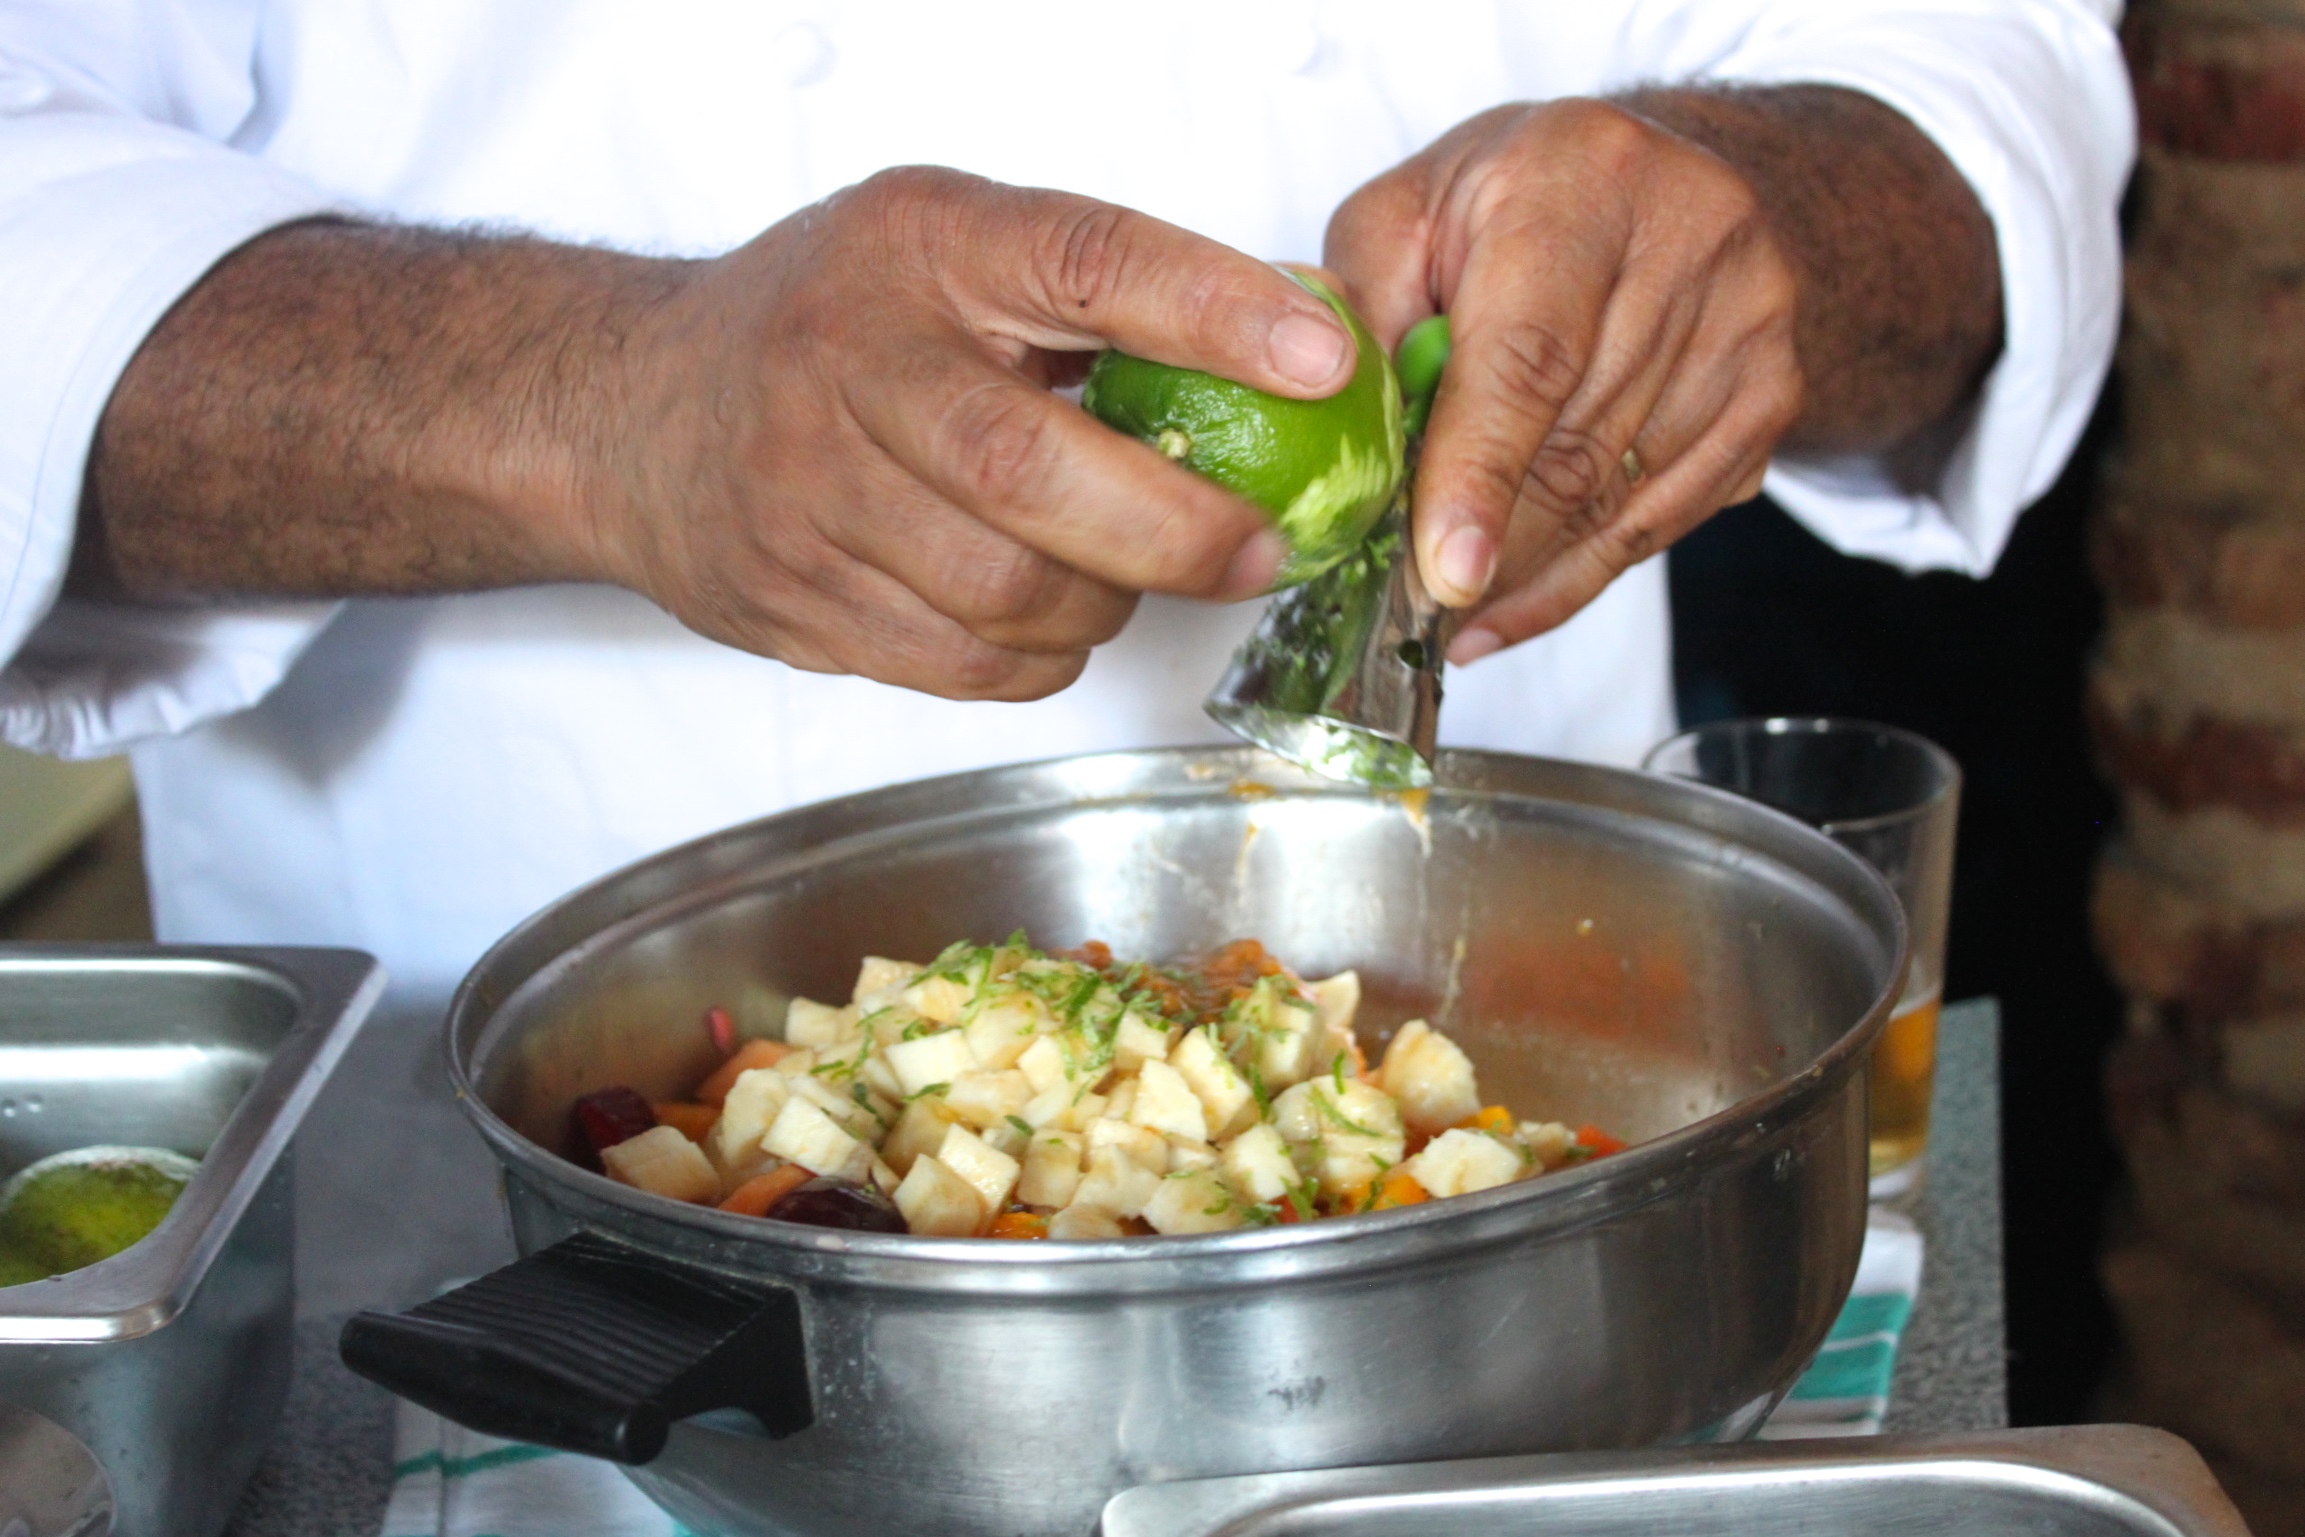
(329, 1468)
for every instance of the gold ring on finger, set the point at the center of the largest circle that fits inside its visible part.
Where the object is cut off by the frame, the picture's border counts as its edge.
(1634, 469)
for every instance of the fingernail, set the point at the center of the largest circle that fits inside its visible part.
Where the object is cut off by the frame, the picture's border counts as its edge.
(1255, 565)
(1465, 563)
(1474, 644)
(1309, 350)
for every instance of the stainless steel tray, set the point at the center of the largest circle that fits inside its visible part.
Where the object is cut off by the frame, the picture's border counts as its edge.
(169, 1360)
(2072, 1481)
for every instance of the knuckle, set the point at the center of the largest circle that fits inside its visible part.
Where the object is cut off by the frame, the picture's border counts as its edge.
(977, 669)
(1569, 472)
(995, 437)
(1608, 133)
(1531, 365)
(1007, 587)
(1184, 549)
(1084, 255)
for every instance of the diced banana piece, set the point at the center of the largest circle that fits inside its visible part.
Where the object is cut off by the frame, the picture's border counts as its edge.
(920, 1129)
(1120, 1100)
(937, 1202)
(1351, 1135)
(1062, 1107)
(1141, 1039)
(1002, 1031)
(753, 1101)
(1431, 1077)
(1225, 1096)
(1287, 1047)
(939, 998)
(860, 1119)
(1080, 1222)
(1335, 1001)
(1165, 1103)
(1125, 1165)
(879, 974)
(1051, 1168)
(1043, 1063)
(809, 1023)
(991, 1171)
(884, 1177)
(1549, 1141)
(663, 1162)
(928, 1060)
(1195, 1201)
(1189, 1153)
(1258, 1163)
(988, 1099)
(879, 1077)
(1461, 1161)
(802, 1133)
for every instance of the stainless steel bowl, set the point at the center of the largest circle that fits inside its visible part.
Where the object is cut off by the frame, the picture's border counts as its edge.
(1684, 967)
(170, 1359)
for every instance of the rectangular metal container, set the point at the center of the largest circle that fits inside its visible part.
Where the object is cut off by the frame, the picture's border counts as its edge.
(2068, 1481)
(170, 1360)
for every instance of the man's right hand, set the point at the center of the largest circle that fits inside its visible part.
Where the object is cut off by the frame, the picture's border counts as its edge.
(836, 446)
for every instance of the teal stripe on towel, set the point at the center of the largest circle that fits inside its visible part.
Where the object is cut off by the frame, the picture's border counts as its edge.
(460, 1467)
(1874, 1313)
(1858, 1370)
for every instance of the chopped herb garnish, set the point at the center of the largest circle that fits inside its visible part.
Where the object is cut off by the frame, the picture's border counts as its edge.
(1328, 1108)
(1021, 1124)
(1257, 1088)
(925, 1092)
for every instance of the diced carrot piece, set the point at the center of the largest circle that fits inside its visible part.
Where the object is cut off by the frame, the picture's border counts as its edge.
(1495, 1119)
(1018, 1224)
(692, 1120)
(756, 1195)
(714, 1090)
(1399, 1188)
(1599, 1141)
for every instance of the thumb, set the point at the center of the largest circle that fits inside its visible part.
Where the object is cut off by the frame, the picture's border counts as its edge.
(1055, 270)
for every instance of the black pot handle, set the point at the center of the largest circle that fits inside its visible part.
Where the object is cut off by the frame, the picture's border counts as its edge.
(592, 1346)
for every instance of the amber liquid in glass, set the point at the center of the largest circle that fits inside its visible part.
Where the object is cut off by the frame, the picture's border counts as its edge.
(1904, 1066)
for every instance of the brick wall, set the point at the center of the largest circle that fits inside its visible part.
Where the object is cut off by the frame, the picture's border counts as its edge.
(2197, 702)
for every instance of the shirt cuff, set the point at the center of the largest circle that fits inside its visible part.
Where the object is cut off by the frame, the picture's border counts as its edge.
(98, 678)
(91, 257)
(2044, 135)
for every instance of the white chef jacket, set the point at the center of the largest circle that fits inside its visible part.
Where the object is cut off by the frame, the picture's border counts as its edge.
(414, 776)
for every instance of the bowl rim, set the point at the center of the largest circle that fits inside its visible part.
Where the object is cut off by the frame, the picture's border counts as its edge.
(1646, 1172)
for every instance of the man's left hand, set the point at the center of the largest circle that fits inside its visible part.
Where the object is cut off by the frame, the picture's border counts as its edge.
(1622, 316)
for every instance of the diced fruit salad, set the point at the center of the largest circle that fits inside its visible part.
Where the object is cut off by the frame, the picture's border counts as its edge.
(1002, 1092)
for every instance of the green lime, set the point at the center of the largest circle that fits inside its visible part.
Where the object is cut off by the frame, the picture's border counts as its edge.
(73, 1209)
(1419, 360)
(1324, 470)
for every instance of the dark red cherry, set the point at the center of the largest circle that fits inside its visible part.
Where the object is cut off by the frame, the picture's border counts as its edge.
(828, 1202)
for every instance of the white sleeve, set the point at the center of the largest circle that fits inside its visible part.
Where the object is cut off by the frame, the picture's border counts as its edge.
(2030, 101)
(116, 195)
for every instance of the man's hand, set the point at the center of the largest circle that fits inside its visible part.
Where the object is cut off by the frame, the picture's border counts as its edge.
(1645, 298)
(835, 446)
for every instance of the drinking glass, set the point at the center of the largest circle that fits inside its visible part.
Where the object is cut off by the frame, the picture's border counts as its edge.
(1891, 797)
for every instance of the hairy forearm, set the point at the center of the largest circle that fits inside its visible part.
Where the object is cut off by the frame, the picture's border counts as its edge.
(1899, 275)
(340, 409)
